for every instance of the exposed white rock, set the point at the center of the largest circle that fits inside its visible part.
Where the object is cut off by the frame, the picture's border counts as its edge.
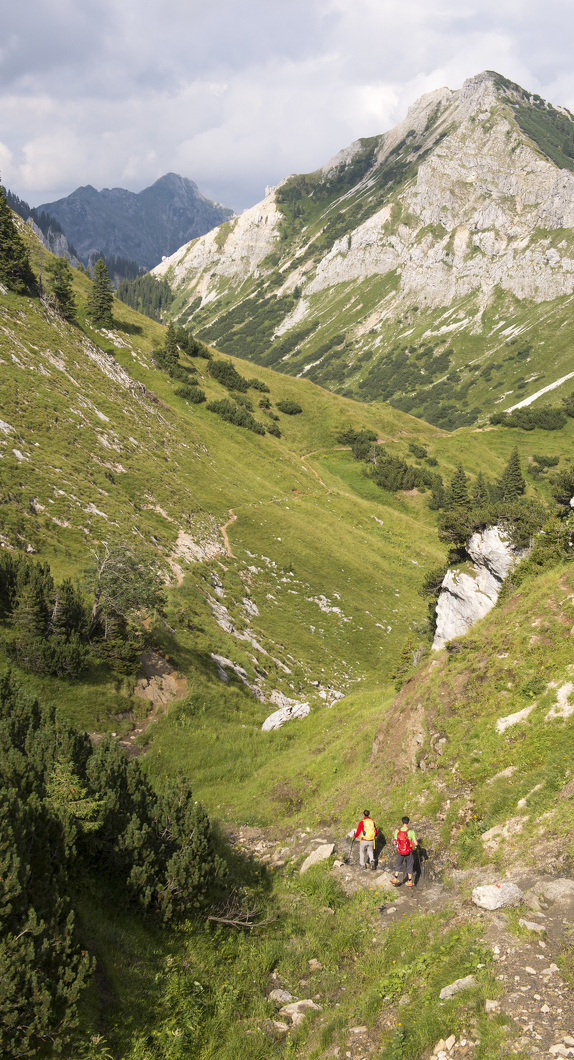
(298, 1010)
(556, 890)
(282, 997)
(531, 926)
(457, 987)
(496, 895)
(562, 708)
(317, 856)
(289, 709)
(512, 719)
(465, 598)
(197, 551)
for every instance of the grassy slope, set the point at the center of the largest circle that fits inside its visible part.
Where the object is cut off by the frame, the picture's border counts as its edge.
(316, 770)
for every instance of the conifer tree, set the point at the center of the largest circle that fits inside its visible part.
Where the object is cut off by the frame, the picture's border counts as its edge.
(459, 497)
(170, 347)
(15, 270)
(60, 275)
(101, 297)
(512, 484)
(480, 493)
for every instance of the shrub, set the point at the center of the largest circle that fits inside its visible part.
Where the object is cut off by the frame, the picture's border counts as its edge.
(232, 413)
(226, 374)
(288, 407)
(191, 393)
(548, 418)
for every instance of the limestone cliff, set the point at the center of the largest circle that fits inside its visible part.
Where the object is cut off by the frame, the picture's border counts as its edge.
(464, 598)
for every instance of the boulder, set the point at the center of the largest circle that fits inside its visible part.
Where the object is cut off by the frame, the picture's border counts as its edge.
(282, 997)
(557, 890)
(290, 710)
(318, 855)
(496, 895)
(298, 1010)
(457, 987)
(531, 926)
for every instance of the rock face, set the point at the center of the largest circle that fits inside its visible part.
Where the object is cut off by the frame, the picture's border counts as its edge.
(464, 598)
(452, 209)
(143, 227)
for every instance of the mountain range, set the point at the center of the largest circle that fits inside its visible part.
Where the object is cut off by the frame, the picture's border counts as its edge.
(431, 266)
(141, 226)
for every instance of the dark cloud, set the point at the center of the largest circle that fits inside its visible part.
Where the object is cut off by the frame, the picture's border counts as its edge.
(237, 95)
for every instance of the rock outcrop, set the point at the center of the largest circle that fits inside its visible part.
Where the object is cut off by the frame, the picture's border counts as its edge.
(464, 598)
(289, 709)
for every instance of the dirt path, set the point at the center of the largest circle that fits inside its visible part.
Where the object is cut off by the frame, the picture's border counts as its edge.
(305, 460)
(223, 529)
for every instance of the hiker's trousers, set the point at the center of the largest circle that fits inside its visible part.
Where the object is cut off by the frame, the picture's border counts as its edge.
(366, 846)
(409, 858)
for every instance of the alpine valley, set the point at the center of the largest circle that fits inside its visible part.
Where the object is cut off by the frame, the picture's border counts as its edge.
(274, 561)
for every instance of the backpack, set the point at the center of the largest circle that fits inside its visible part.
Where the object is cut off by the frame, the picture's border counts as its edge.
(403, 842)
(368, 829)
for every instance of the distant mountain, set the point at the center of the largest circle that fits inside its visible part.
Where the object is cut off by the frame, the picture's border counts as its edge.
(431, 267)
(143, 226)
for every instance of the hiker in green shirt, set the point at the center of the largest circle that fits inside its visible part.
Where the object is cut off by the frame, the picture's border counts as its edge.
(405, 842)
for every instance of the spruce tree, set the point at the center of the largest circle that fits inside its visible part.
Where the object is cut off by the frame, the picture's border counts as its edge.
(480, 493)
(170, 347)
(512, 484)
(15, 270)
(459, 497)
(60, 275)
(101, 297)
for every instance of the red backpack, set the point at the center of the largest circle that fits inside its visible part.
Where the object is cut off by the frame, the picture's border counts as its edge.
(403, 842)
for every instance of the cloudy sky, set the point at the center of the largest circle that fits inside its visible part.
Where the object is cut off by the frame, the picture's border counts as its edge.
(238, 93)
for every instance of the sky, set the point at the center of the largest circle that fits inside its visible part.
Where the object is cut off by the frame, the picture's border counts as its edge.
(237, 94)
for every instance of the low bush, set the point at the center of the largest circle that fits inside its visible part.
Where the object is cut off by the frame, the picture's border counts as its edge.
(191, 393)
(289, 408)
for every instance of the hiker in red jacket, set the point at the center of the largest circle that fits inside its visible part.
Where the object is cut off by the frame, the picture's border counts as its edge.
(405, 842)
(366, 833)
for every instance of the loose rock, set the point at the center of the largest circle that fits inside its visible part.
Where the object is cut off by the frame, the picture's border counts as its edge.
(496, 895)
(318, 855)
(457, 987)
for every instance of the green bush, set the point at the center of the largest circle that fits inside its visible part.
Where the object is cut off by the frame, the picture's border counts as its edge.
(233, 413)
(289, 408)
(191, 393)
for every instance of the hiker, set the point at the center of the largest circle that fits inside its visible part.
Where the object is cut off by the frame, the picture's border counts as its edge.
(366, 833)
(405, 842)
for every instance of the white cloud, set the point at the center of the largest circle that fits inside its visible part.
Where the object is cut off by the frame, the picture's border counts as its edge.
(237, 95)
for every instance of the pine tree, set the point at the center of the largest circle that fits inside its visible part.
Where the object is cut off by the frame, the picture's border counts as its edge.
(480, 493)
(170, 347)
(61, 283)
(15, 270)
(459, 497)
(512, 483)
(101, 297)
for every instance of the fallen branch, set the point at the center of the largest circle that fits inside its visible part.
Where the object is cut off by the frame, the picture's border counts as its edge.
(236, 914)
